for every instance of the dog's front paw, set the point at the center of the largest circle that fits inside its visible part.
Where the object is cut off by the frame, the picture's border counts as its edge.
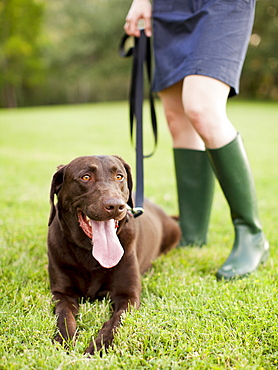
(97, 346)
(94, 347)
(67, 344)
(91, 350)
(58, 341)
(58, 338)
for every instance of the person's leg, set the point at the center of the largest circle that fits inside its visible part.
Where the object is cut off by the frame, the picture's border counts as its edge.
(204, 101)
(194, 175)
(182, 132)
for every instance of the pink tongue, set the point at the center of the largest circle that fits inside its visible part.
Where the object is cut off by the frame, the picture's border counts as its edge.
(107, 249)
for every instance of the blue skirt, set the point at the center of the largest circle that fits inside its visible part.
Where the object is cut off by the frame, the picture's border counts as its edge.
(201, 37)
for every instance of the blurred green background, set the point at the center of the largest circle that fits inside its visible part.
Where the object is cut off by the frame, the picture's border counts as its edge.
(66, 51)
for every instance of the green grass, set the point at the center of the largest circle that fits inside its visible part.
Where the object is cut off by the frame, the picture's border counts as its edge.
(187, 320)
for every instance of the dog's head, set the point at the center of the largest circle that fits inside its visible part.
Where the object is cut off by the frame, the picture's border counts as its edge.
(98, 186)
(93, 193)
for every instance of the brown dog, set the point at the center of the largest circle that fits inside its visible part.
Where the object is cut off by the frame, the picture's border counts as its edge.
(95, 246)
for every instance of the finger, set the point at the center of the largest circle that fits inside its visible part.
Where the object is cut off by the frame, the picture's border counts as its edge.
(131, 28)
(127, 28)
(148, 27)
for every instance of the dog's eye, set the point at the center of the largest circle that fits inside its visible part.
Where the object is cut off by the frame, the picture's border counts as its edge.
(119, 177)
(86, 177)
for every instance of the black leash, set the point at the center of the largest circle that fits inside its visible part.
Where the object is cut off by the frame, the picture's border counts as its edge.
(141, 52)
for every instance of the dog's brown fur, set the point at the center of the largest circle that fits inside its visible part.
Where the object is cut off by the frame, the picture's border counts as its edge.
(87, 184)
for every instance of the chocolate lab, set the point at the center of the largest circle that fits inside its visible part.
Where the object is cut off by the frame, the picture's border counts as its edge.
(95, 245)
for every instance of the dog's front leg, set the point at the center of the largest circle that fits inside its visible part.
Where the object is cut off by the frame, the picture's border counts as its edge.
(106, 334)
(66, 310)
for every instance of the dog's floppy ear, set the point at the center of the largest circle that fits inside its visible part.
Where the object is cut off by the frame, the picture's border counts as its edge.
(129, 181)
(129, 184)
(56, 185)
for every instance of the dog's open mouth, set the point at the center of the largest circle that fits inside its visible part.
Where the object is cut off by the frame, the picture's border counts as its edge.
(107, 249)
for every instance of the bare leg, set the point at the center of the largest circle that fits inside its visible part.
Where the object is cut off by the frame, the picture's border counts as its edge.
(182, 131)
(204, 101)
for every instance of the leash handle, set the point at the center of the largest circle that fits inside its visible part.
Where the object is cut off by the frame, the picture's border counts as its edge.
(141, 53)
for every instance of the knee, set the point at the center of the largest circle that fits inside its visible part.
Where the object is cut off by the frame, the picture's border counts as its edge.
(199, 116)
(204, 101)
(211, 124)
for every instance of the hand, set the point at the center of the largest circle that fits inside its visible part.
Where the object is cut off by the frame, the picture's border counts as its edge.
(139, 10)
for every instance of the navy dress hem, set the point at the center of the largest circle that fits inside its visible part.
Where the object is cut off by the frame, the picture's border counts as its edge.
(201, 37)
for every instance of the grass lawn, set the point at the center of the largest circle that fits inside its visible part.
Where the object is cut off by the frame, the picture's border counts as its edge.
(187, 320)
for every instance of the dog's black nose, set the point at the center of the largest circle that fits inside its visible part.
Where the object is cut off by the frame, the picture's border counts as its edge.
(114, 206)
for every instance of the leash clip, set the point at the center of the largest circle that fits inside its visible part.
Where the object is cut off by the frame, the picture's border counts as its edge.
(136, 211)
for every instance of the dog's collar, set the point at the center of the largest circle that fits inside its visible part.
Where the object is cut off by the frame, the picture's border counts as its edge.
(131, 212)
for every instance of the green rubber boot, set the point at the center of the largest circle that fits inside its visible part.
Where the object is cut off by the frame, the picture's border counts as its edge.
(250, 247)
(195, 187)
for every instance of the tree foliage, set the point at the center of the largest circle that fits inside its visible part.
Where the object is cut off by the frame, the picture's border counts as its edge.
(83, 59)
(66, 51)
(20, 61)
(260, 73)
